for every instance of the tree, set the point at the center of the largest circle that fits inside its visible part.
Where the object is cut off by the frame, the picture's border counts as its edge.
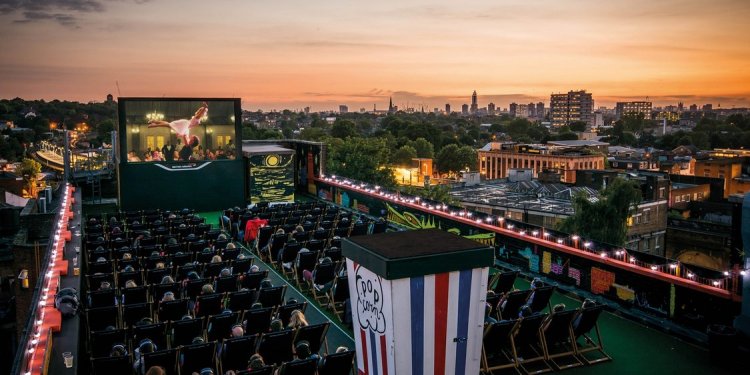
(452, 159)
(606, 219)
(423, 147)
(362, 159)
(29, 169)
(578, 126)
(343, 128)
(403, 156)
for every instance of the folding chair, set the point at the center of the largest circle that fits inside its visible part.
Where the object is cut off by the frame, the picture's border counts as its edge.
(316, 245)
(271, 297)
(257, 320)
(167, 359)
(213, 269)
(158, 290)
(527, 345)
(503, 282)
(172, 310)
(123, 277)
(285, 311)
(512, 302)
(95, 280)
(135, 312)
(289, 255)
(240, 266)
(208, 304)
(266, 370)
(194, 358)
(323, 274)
(226, 284)
(219, 326)
(101, 342)
(112, 365)
(557, 340)
(251, 280)
(540, 297)
(101, 298)
(494, 301)
(334, 253)
(100, 318)
(242, 300)
(315, 334)
(100, 267)
(497, 347)
(157, 333)
(237, 351)
(300, 367)
(276, 347)
(339, 296)
(183, 331)
(154, 276)
(583, 323)
(137, 294)
(305, 261)
(337, 363)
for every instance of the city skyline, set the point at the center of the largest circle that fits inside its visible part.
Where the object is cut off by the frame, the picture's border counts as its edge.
(299, 54)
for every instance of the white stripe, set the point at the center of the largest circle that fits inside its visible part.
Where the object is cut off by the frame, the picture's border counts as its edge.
(429, 324)
(476, 319)
(402, 327)
(452, 330)
(355, 319)
(164, 167)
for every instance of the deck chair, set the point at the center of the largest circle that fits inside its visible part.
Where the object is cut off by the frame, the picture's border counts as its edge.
(289, 255)
(337, 363)
(583, 323)
(135, 312)
(156, 332)
(379, 227)
(285, 311)
(316, 245)
(305, 261)
(277, 243)
(334, 253)
(102, 317)
(494, 301)
(267, 370)
(101, 342)
(123, 277)
(101, 298)
(512, 302)
(557, 340)
(208, 304)
(540, 298)
(183, 331)
(497, 346)
(158, 290)
(226, 284)
(359, 229)
(167, 359)
(315, 334)
(229, 254)
(251, 280)
(270, 297)
(219, 326)
(527, 345)
(240, 266)
(276, 347)
(172, 310)
(264, 235)
(339, 294)
(100, 267)
(194, 287)
(212, 270)
(112, 365)
(137, 294)
(194, 358)
(323, 275)
(95, 280)
(257, 320)
(503, 282)
(300, 367)
(237, 351)
(242, 300)
(154, 276)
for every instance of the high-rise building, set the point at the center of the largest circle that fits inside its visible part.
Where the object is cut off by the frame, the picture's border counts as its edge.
(512, 109)
(571, 107)
(708, 107)
(531, 110)
(693, 108)
(540, 110)
(343, 109)
(465, 109)
(474, 105)
(491, 108)
(447, 108)
(307, 110)
(680, 107)
(633, 109)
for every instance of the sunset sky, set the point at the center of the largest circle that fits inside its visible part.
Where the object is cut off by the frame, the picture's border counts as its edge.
(291, 54)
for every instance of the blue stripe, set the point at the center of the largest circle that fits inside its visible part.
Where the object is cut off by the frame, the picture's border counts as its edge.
(417, 325)
(373, 352)
(464, 301)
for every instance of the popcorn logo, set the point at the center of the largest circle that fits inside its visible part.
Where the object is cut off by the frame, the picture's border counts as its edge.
(370, 302)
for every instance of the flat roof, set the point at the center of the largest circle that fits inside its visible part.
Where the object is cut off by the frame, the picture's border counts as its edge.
(265, 149)
(579, 142)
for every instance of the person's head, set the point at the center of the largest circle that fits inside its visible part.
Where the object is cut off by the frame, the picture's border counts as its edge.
(342, 349)
(588, 303)
(299, 229)
(197, 340)
(186, 317)
(277, 325)
(326, 260)
(225, 272)
(205, 371)
(256, 306)
(254, 268)
(127, 256)
(101, 260)
(194, 141)
(156, 370)
(525, 311)
(167, 280)
(266, 283)
(302, 348)
(255, 362)
(558, 308)
(192, 275)
(144, 322)
(280, 231)
(118, 350)
(231, 245)
(160, 265)
(237, 330)
(241, 256)
(128, 269)
(207, 289)
(130, 284)
(537, 283)
(105, 285)
(168, 296)
(297, 319)
(172, 241)
(216, 259)
(146, 346)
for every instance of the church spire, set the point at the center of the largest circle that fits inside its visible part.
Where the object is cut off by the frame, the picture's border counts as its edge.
(390, 104)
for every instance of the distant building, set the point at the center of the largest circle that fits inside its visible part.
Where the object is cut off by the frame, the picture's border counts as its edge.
(391, 108)
(447, 109)
(633, 109)
(491, 108)
(307, 110)
(708, 107)
(571, 107)
(110, 98)
(540, 111)
(730, 169)
(693, 108)
(512, 109)
(343, 109)
(496, 159)
(531, 110)
(474, 105)
(465, 109)
(598, 119)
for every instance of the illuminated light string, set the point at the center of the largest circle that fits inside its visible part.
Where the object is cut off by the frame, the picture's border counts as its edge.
(588, 246)
(50, 282)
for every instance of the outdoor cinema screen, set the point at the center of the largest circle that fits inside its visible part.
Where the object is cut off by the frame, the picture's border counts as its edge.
(178, 130)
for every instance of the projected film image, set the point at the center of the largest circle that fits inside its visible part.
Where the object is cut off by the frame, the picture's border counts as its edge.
(180, 130)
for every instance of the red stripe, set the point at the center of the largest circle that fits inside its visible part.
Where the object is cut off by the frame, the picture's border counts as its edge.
(383, 356)
(363, 340)
(441, 320)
